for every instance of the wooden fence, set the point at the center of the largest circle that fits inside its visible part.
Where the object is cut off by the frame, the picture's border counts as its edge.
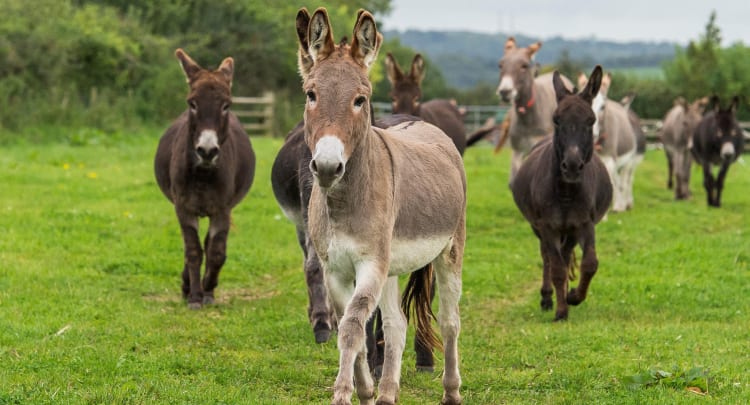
(475, 116)
(255, 113)
(651, 128)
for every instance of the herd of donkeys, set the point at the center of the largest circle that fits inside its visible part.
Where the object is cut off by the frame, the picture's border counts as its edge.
(375, 199)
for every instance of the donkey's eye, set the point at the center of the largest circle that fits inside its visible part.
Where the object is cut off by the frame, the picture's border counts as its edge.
(225, 108)
(193, 105)
(525, 66)
(556, 120)
(360, 101)
(311, 96)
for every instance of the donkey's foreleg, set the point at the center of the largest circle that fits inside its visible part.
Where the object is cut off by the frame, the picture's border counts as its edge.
(357, 309)
(546, 291)
(589, 266)
(394, 331)
(216, 253)
(191, 274)
(618, 201)
(720, 182)
(709, 183)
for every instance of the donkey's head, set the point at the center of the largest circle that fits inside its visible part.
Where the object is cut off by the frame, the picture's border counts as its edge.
(208, 102)
(728, 132)
(517, 71)
(405, 89)
(574, 119)
(337, 111)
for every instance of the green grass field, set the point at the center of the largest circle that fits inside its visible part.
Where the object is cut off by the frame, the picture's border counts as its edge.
(91, 312)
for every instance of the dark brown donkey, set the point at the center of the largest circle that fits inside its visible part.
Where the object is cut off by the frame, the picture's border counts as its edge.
(718, 140)
(384, 203)
(406, 95)
(563, 190)
(205, 165)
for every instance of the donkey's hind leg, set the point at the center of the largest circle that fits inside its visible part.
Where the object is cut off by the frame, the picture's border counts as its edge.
(216, 254)
(318, 310)
(448, 278)
(394, 332)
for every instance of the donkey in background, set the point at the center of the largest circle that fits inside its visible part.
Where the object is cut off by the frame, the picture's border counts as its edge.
(205, 166)
(677, 137)
(718, 140)
(563, 190)
(620, 142)
(533, 98)
(383, 203)
(406, 93)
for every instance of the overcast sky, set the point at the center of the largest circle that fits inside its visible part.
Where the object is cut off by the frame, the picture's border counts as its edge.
(623, 20)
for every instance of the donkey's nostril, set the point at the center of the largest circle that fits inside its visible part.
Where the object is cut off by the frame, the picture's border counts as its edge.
(339, 170)
(564, 165)
(313, 166)
(207, 153)
(580, 166)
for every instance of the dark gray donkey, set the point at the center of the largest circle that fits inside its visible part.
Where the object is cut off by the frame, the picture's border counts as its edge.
(563, 190)
(718, 140)
(406, 94)
(205, 166)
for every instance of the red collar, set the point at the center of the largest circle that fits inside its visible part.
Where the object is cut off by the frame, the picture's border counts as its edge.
(530, 103)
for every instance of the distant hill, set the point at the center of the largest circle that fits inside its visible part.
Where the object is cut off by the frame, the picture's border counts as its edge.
(468, 58)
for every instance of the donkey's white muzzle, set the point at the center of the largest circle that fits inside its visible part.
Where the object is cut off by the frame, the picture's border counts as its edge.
(328, 164)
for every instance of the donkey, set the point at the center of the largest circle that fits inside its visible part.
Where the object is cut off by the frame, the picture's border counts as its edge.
(619, 140)
(533, 99)
(677, 137)
(205, 166)
(406, 93)
(383, 203)
(563, 190)
(718, 140)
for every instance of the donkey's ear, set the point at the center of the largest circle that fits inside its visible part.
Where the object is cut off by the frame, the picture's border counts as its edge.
(735, 104)
(304, 60)
(227, 69)
(581, 79)
(560, 89)
(533, 48)
(417, 69)
(367, 40)
(188, 65)
(392, 69)
(510, 44)
(592, 87)
(715, 103)
(320, 36)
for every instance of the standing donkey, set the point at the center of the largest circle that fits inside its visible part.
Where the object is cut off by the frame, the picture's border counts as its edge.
(619, 141)
(677, 137)
(205, 166)
(533, 99)
(406, 93)
(383, 203)
(718, 140)
(563, 190)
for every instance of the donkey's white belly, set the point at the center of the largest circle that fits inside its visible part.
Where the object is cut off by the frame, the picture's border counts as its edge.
(344, 252)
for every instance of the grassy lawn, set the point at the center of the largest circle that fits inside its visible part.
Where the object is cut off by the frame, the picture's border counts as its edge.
(90, 306)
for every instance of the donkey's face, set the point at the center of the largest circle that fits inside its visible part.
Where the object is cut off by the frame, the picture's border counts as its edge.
(599, 103)
(516, 69)
(727, 131)
(405, 89)
(574, 119)
(208, 101)
(337, 111)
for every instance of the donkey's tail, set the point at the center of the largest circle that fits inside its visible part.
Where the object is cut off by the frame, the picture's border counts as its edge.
(479, 134)
(417, 297)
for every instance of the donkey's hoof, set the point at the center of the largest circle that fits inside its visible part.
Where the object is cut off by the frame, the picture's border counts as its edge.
(208, 299)
(546, 304)
(322, 332)
(561, 316)
(572, 297)
(194, 305)
(384, 402)
(452, 400)
(425, 369)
